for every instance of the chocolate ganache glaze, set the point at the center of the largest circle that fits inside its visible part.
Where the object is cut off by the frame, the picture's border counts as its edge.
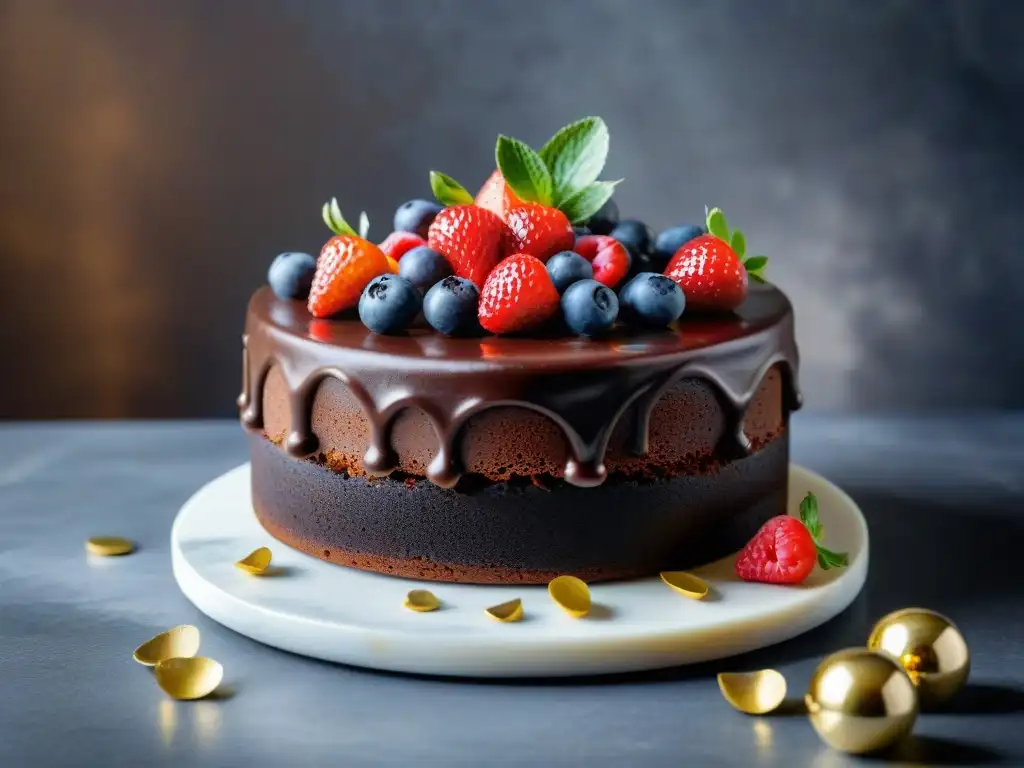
(593, 391)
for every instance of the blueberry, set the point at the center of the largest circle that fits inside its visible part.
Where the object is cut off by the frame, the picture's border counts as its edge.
(423, 266)
(582, 231)
(604, 221)
(635, 235)
(450, 306)
(291, 275)
(416, 216)
(671, 240)
(389, 303)
(589, 307)
(651, 300)
(567, 268)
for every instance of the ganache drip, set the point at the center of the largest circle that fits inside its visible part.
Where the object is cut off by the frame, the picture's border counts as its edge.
(585, 401)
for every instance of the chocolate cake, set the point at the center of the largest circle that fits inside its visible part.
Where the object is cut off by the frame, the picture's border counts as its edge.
(518, 400)
(515, 460)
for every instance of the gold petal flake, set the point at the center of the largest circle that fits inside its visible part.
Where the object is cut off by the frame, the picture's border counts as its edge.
(189, 679)
(571, 594)
(422, 601)
(109, 546)
(177, 642)
(256, 562)
(755, 693)
(507, 612)
(686, 584)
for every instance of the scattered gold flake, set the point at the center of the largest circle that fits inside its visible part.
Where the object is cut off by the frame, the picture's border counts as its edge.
(177, 642)
(256, 562)
(109, 546)
(755, 693)
(422, 601)
(191, 678)
(571, 594)
(507, 612)
(686, 584)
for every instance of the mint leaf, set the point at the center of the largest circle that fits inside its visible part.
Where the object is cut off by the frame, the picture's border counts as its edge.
(575, 156)
(524, 171)
(717, 225)
(585, 203)
(364, 224)
(809, 515)
(739, 244)
(448, 191)
(335, 221)
(755, 263)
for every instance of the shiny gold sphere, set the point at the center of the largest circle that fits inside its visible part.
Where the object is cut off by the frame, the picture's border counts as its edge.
(861, 701)
(930, 648)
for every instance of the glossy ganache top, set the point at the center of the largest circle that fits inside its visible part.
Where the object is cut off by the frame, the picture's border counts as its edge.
(583, 385)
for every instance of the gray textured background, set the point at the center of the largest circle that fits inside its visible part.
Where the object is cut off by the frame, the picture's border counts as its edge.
(157, 155)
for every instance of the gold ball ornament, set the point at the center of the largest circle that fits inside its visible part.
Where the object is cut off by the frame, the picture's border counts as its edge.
(861, 701)
(930, 648)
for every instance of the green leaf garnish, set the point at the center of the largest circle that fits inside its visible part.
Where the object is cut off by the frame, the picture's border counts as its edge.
(364, 224)
(575, 157)
(717, 225)
(827, 559)
(755, 263)
(448, 191)
(757, 277)
(585, 203)
(738, 243)
(335, 221)
(524, 171)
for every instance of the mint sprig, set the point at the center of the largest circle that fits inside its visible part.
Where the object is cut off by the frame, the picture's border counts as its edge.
(827, 559)
(336, 222)
(718, 226)
(563, 174)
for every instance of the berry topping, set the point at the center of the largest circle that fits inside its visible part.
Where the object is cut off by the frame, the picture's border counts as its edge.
(423, 267)
(589, 307)
(711, 268)
(291, 275)
(539, 230)
(496, 196)
(416, 216)
(635, 235)
(610, 259)
(450, 307)
(785, 549)
(389, 304)
(567, 268)
(517, 296)
(651, 300)
(397, 244)
(471, 238)
(604, 221)
(347, 263)
(671, 240)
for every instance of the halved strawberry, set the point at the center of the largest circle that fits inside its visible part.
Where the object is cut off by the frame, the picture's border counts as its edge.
(518, 295)
(397, 244)
(471, 238)
(496, 196)
(346, 264)
(539, 230)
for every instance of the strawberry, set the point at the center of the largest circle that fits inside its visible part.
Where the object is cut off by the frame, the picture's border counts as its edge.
(496, 196)
(518, 295)
(785, 549)
(397, 244)
(471, 238)
(539, 230)
(712, 269)
(609, 257)
(347, 263)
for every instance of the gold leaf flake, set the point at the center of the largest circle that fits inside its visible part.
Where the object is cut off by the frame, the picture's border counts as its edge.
(422, 601)
(177, 642)
(256, 562)
(755, 693)
(191, 678)
(571, 594)
(109, 546)
(686, 584)
(507, 612)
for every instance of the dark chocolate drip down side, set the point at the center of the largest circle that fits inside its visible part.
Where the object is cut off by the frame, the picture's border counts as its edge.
(583, 386)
